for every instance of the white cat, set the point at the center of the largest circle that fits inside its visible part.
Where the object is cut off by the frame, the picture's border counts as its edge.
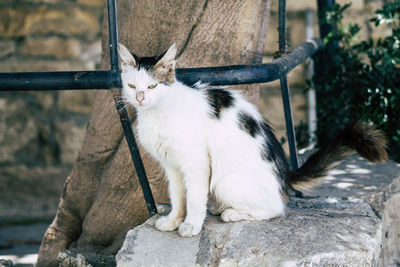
(216, 148)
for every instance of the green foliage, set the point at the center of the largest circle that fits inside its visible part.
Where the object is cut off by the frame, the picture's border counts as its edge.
(360, 80)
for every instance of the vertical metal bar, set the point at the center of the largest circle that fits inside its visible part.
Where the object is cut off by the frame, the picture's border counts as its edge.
(123, 114)
(285, 88)
(324, 28)
(289, 123)
(137, 160)
(113, 34)
(282, 27)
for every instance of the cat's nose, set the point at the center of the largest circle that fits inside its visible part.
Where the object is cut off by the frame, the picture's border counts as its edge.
(140, 96)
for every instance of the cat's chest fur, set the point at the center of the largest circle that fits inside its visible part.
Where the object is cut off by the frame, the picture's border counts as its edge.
(165, 134)
(154, 135)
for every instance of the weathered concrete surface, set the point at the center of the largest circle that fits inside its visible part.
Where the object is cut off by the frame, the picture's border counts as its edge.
(314, 232)
(337, 227)
(357, 177)
(71, 257)
(391, 232)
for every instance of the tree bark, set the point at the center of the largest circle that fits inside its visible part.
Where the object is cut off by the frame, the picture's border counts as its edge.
(102, 198)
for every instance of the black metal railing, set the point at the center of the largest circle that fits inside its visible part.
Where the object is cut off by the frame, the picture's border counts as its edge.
(224, 75)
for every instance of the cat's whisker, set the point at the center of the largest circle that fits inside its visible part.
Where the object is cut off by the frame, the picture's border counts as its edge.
(120, 101)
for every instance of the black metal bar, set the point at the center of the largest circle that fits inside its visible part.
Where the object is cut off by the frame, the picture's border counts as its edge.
(113, 34)
(282, 27)
(135, 154)
(247, 74)
(60, 80)
(225, 75)
(123, 114)
(285, 89)
(289, 122)
(324, 28)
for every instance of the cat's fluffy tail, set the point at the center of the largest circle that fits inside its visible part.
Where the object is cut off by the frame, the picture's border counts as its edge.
(366, 140)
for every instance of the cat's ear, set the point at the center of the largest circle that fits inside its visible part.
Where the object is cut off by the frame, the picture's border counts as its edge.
(126, 57)
(164, 69)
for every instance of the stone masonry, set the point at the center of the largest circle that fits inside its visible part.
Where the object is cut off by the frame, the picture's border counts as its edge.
(41, 132)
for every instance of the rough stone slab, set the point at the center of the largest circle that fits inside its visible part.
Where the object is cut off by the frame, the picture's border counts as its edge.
(378, 200)
(391, 232)
(71, 257)
(317, 232)
(356, 177)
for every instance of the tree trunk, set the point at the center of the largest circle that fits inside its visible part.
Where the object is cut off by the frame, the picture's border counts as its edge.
(102, 198)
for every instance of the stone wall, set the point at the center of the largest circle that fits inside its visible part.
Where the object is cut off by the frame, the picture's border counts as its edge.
(41, 132)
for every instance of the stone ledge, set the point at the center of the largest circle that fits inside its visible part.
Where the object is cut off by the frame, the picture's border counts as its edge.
(317, 231)
(320, 231)
(71, 257)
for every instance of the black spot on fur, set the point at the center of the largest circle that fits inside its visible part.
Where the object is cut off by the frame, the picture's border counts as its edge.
(248, 124)
(146, 63)
(272, 151)
(219, 99)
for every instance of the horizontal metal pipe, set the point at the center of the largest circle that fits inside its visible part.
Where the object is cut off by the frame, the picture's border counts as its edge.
(225, 75)
(254, 73)
(60, 80)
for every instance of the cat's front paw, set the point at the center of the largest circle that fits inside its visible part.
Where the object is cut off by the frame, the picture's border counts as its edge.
(165, 223)
(188, 230)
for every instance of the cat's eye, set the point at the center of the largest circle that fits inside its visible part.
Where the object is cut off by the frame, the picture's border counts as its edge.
(131, 85)
(152, 86)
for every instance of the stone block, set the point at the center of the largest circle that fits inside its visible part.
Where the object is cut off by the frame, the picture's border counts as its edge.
(77, 101)
(391, 232)
(85, 23)
(71, 257)
(30, 192)
(14, 21)
(7, 47)
(22, 20)
(70, 133)
(18, 130)
(91, 54)
(91, 3)
(298, 239)
(16, 64)
(45, 1)
(53, 47)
